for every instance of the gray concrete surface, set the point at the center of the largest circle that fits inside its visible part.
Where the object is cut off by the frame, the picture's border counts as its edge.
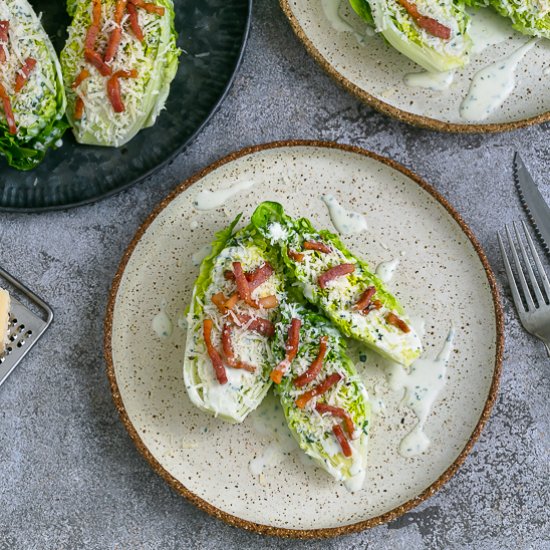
(69, 475)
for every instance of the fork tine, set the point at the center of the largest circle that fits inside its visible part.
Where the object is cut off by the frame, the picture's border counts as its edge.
(534, 253)
(521, 276)
(512, 282)
(527, 261)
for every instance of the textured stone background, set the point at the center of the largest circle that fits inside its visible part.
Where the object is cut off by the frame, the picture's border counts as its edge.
(69, 475)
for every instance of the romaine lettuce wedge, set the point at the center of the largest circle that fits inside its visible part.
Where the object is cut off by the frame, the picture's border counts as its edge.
(250, 329)
(419, 36)
(381, 324)
(313, 424)
(99, 115)
(531, 17)
(31, 87)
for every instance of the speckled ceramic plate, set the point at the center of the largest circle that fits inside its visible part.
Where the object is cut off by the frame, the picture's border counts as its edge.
(443, 277)
(372, 70)
(212, 35)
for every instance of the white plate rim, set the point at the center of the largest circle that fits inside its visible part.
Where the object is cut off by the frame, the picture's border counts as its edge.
(396, 112)
(268, 529)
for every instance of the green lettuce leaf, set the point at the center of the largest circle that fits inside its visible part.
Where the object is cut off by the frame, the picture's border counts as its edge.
(402, 32)
(144, 97)
(530, 17)
(39, 106)
(337, 302)
(244, 391)
(312, 430)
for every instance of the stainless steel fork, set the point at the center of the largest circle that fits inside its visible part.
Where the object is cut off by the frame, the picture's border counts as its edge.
(533, 303)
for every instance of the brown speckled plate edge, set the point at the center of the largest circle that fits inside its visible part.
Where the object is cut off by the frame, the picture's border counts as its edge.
(400, 114)
(266, 529)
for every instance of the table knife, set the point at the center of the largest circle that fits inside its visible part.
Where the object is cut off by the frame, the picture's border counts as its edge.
(533, 202)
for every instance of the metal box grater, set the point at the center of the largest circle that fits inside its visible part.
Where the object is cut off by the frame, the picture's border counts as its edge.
(25, 325)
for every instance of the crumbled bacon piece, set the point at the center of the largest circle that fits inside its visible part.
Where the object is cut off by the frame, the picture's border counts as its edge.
(296, 256)
(292, 343)
(323, 408)
(113, 89)
(429, 24)
(116, 33)
(394, 320)
(315, 367)
(341, 437)
(243, 287)
(93, 29)
(320, 389)
(8, 112)
(134, 21)
(94, 59)
(255, 278)
(320, 247)
(335, 272)
(4, 39)
(23, 73)
(365, 299)
(148, 6)
(256, 324)
(78, 108)
(82, 76)
(215, 357)
(268, 302)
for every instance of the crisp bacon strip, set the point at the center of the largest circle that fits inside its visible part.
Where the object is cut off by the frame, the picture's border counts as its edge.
(268, 302)
(259, 276)
(215, 357)
(219, 300)
(320, 247)
(4, 39)
(134, 21)
(315, 367)
(148, 6)
(82, 76)
(335, 272)
(93, 29)
(296, 256)
(23, 73)
(365, 299)
(429, 24)
(229, 353)
(323, 408)
(94, 59)
(116, 33)
(232, 301)
(292, 343)
(394, 320)
(255, 278)
(10, 119)
(320, 389)
(78, 108)
(256, 324)
(341, 437)
(243, 287)
(113, 89)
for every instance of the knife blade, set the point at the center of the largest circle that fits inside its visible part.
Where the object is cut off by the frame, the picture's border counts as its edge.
(537, 210)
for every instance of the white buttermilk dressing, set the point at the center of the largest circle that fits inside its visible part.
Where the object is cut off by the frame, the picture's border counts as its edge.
(200, 254)
(162, 324)
(487, 29)
(492, 85)
(269, 422)
(345, 221)
(386, 270)
(331, 9)
(437, 82)
(209, 200)
(421, 384)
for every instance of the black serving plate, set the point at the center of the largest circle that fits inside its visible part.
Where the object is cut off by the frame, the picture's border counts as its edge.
(212, 35)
